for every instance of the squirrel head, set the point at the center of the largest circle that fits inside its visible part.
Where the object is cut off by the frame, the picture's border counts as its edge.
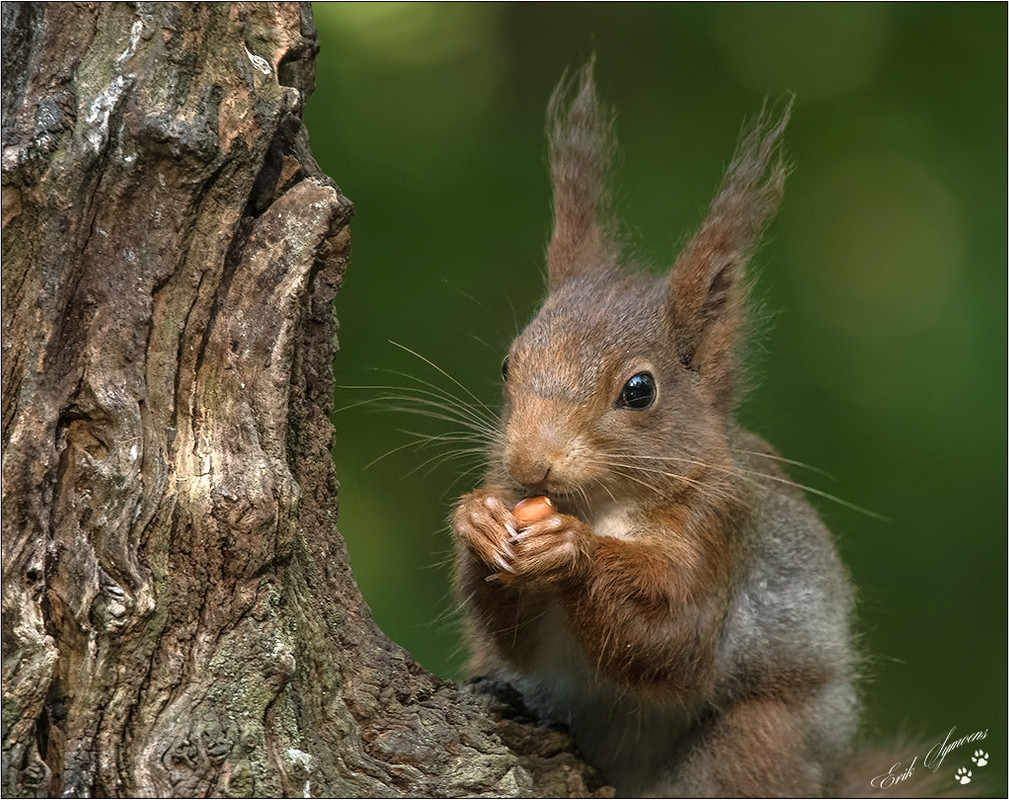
(624, 381)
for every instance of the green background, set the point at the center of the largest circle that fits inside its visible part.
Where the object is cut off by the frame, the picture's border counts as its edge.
(882, 359)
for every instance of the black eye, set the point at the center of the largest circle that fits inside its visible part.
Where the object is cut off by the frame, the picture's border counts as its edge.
(504, 368)
(638, 393)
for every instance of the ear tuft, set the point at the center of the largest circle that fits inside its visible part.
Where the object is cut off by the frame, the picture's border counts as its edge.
(579, 128)
(707, 291)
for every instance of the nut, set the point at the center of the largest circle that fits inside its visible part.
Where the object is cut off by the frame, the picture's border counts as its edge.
(532, 509)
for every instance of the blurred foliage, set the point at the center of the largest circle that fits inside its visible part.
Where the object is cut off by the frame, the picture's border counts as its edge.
(882, 360)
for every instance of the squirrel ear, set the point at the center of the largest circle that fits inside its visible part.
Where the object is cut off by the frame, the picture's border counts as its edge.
(707, 291)
(581, 146)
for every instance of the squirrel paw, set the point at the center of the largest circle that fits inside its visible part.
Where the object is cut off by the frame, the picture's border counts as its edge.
(550, 549)
(485, 525)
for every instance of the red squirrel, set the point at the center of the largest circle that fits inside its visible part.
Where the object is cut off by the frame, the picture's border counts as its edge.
(682, 609)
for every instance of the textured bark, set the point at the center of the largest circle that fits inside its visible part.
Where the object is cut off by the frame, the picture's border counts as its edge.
(179, 616)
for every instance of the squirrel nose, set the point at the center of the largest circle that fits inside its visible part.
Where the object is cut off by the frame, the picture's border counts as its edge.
(532, 474)
(530, 463)
(536, 447)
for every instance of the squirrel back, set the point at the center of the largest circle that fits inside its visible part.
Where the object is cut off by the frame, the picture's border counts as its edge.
(683, 608)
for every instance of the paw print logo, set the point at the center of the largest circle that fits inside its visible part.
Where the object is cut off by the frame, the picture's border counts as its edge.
(963, 775)
(980, 758)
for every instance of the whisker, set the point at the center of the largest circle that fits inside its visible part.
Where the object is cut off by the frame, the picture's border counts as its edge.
(744, 474)
(605, 488)
(482, 412)
(429, 439)
(439, 414)
(628, 474)
(819, 493)
(629, 465)
(475, 427)
(790, 461)
(442, 458)
(423, 398)
(443, 372)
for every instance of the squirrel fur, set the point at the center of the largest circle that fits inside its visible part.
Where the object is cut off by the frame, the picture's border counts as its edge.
(684, 611)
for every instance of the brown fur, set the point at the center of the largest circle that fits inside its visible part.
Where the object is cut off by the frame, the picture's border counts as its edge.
(657, 611)
(707, 288)
(581, 146)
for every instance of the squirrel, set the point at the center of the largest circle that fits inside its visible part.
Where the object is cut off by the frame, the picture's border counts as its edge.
(682, 609)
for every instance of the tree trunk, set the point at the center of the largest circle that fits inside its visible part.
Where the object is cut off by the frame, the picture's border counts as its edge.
(179, 616)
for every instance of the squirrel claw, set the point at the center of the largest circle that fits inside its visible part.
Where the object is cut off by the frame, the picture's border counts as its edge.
(504, 564)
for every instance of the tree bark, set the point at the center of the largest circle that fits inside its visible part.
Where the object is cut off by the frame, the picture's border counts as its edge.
(179, 617)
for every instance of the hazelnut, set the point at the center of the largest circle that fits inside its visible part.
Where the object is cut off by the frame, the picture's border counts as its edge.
(531, 510)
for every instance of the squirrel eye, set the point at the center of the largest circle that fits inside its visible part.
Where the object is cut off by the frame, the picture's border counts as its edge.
(638, 393)
(504, 368)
